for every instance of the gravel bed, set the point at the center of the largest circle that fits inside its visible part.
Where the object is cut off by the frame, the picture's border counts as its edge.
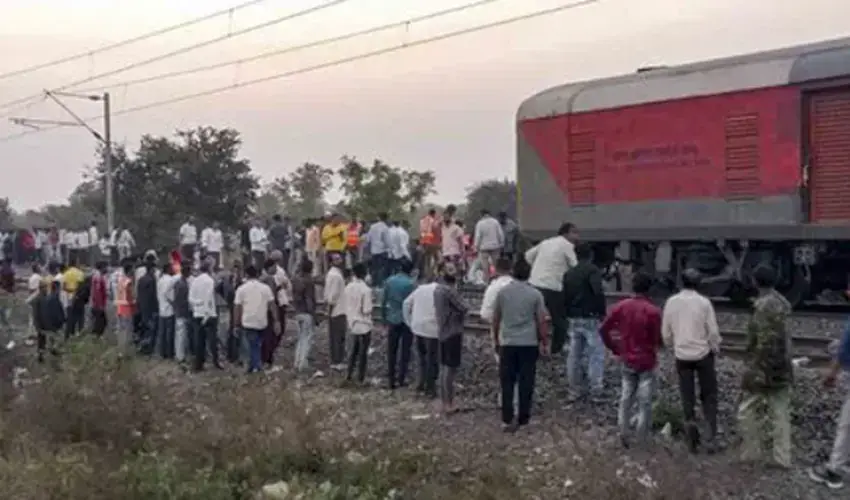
(813, 413)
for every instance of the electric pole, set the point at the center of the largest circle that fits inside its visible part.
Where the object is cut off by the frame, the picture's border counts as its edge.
(105, 139)
(107, 163)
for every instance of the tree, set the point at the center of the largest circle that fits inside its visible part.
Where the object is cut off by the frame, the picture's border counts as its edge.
(494, 195)
(268, 204)
(383, 188)
(302, 193)
(199, 173)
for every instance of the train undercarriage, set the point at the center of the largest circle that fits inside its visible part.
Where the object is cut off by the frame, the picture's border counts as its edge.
(811, 273)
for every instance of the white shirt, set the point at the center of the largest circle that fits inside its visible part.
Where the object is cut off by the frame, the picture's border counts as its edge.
(419, 311)
(125, 240)
(165, 295)
(254, 297)
(34, 282)
(83, 239)
(689, 325)
(488, 235)
(284, 286)
(257, 237)
(212, 240)
(399, 242)
(202, 296)
(188, 234)
(104, 246)
(488, 303)
(357, 303)
(93, 237)
(549, 261)
(334, 288)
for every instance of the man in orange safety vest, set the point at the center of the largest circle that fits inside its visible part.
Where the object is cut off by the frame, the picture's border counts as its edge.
(355, 229)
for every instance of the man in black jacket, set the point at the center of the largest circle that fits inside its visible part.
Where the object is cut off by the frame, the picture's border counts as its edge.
(585, 304)
(48, 318)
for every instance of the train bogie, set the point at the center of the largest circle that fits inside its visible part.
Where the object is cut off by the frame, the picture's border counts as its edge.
(721, 166)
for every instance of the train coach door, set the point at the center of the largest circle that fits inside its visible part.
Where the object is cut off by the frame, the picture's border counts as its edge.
(826, 169)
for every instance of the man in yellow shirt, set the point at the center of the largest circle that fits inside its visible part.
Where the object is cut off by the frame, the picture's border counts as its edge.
(72, 279)
(334, 237)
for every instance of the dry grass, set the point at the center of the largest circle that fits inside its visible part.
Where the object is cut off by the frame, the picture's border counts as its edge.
(105, 427)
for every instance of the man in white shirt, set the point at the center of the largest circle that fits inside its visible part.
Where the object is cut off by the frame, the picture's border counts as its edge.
(549, 261)
(212, 243)
(165, 300)
(81, 241)
(689, 326)
(126, 242)
(488, 241)
(452, 245)
(205, 317)
(252, 304)
(399, 243)
(337, 325)
(420, 314)
(357, 304)
(188, 238)
(259, 243)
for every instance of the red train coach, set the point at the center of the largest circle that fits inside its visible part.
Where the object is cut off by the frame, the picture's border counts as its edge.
(719, 165)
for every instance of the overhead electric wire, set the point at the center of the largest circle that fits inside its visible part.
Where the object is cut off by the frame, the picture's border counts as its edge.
(183, 50)
(129, 41)
(291, 49)
(330, 64)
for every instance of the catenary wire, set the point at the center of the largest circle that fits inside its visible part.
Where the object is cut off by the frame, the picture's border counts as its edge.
(129, 41)
(330, 64)
(291, 49)
(182, 50)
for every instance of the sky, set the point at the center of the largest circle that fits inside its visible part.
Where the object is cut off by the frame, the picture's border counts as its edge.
(447, 106)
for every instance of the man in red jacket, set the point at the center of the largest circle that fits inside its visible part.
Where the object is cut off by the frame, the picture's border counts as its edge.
(638, 324)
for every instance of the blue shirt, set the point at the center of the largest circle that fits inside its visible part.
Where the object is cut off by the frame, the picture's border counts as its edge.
(378, 238)
(396, 289)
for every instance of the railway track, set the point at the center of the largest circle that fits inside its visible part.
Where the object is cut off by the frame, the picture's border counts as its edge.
(813, 347)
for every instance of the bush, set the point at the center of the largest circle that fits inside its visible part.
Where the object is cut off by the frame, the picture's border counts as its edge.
(106, 427)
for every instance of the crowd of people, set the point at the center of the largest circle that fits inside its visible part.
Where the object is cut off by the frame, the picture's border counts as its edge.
(538, 304)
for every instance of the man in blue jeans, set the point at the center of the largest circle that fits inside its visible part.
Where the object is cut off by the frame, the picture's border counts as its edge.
(252, 304)
(638, 322)
(585, 306)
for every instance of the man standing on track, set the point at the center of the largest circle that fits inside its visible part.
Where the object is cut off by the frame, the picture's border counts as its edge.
(188, 238)
(549, 261)
(334, 287)
(830, 472)
(429, 227)
(451, 311)
(399, 337)
(585, 301)
(689, 326)
(378, 239)
(520, 333)
(769, 374)
(638, 322)
(212, 243)
(488, 240)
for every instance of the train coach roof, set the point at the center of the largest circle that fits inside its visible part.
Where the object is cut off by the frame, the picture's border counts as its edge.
(798, 64)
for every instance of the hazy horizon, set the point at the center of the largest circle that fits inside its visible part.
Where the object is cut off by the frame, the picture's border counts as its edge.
(448, 106)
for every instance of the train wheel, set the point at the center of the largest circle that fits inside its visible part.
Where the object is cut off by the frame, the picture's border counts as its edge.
(739, 295)
(797, 287)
